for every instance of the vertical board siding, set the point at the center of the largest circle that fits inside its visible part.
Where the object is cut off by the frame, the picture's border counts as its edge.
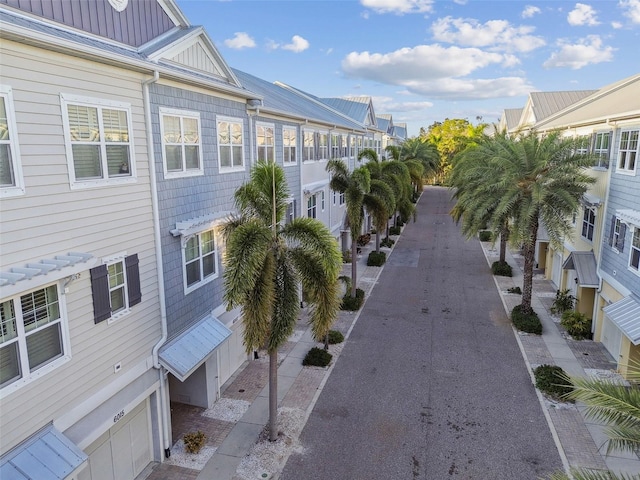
(139, 23)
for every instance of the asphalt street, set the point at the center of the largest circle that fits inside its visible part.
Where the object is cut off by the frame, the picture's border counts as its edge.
(431, 383)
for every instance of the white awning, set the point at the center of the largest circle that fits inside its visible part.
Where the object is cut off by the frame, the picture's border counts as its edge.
(313, 187)
(47, 455)
(589, 200)
(584, 263)
(629, 216)
(199, 224)
(182, 355)
(626, 315)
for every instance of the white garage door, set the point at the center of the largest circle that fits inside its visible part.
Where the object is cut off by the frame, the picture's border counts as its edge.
(611, 338)
(123, 451)
(556, 269)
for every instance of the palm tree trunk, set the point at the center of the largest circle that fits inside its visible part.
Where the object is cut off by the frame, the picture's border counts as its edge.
(528, 252)
(354, 266)
(504, 238)
(377, 240)
(273, 395)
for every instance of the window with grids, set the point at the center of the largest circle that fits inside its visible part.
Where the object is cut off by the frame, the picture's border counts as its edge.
(634, 259)
(344, 150)
(291, 212)
(99, 139)
(115, 287)
(289, 140)
(588, 223)
(181, 143)
(323, 146)
(352, 149)
(335, 146)
(628, 151)
(230, 145)
(308, 146)
(601, 149)
(341, 198)
(200, 259)
(311, 206)
(31, 334)
(265, 143)
(11, 182)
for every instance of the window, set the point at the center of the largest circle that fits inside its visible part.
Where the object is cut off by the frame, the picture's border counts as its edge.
(11, 182)
(344, 150)
(181, 143)
(31, 334)
(115, 286)
(291, 212)
(634, 261)
(617, 233)
(335, 146)
(322, 200)
(628, 151)
(289, 141)
(341, 198)
(323, 146)
(200, 259)
(265, 143)
(588, 223)
(352, 150)
(311, 206)
(308, 151)
(601, 149)
(230, 147)
(99, 145)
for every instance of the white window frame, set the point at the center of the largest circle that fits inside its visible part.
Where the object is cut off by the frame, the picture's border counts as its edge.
(323, 145)
(586, 223)
(216, 264)
(17, 188)
(100, 104)
(266, 127)
(322, 201)
(602, 152)
(28, 376)
(633, 249)
(181, 114)
(312, 206)
(341, 200)
(624, 154)
(110, 261)
(289, 147)
(308, 146)
(335, 145)
(344, 153)
(616, 233)
(230, 145)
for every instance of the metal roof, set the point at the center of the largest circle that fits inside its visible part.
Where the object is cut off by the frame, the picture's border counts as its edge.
(590, 200)
(182, 355)
(512, 117)
(47, 455)
(626, 315)
(584, 263)
(354, 108)
(313, 187)
(548, 103)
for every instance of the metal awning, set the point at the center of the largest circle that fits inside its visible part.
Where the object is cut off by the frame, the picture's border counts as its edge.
(47, 455)
(626, 315)
(182, 355)
(590, 201)
(584, 263)
(629, 216)
(310, 188)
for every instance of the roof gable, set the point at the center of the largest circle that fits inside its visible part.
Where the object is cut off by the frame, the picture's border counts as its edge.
(358, 108)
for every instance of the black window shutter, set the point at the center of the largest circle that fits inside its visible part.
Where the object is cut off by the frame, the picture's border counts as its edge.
(620, 242)
(133, 280)
(100, 291)
(612, 230)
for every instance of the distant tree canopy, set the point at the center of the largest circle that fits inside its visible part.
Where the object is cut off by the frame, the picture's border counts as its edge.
(450, 138)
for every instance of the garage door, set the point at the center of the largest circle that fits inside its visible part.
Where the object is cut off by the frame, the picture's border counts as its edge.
(556, 270)
(123, 451)
(611, 338)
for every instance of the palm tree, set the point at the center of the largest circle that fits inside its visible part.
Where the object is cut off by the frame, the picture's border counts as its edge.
(355, 185)
(266, 261)
(425, 153)
(535, 179)
(617, 406)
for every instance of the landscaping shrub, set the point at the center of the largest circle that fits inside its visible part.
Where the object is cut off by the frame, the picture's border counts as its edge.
(529, 323)
(335, 337)
(352, 303)
(317, 357)
(549, 380)
(576, 324)
(517, 290)
(193, 442)
(563, 301)
(502, 269)
(387, 242)
(346, 256)
(394, 230)
(376, 259)
(485, 235)
(364, 239)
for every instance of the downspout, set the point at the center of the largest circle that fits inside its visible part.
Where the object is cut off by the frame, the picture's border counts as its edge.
(156, 234)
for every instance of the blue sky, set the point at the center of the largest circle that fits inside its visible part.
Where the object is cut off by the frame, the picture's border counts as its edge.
(423, 60)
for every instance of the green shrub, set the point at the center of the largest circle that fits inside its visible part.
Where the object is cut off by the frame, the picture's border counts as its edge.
(346, 256)
(549, 380)
(387, 242)
(335, 337)
(376, 259)
(529, 323)
(317, 357)
(485, 235)
(563, 301)
(394, 230)
(352, 303)
(517, 290)
(576, 324)
(193, 442)
(502, 269)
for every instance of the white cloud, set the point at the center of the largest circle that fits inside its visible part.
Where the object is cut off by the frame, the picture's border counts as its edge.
(587, 51)
(583, 14)
(399, 7)
(632, 8)
(529, 11)
(616, 25)
(297, 45)
(436, 71)
(499, 34)
(388, 104)
(239, 41)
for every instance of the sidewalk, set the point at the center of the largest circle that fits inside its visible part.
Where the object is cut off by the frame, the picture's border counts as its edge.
(581, 443)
